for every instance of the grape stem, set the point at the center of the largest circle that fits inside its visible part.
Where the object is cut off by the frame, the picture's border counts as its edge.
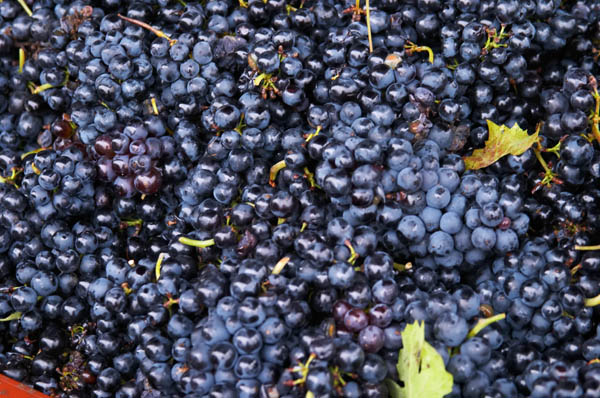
(369, 26)
(412, 48)
(35, 89)
(592, 302)
(25, 7)
(302, 368)
(196, 243)
(482, 323)
(280, 265)
(356, 11)
(587, 248)
(12, 317)
(310, 176)
(549, 175)
(154, 107)
(21, 60)
(24, 155)
(595, 117)
(126, 288)
(144, 25)
(494, 38)
(313, 135)
(15, 171)
(274, 170)
(161, 257)
(353, 253)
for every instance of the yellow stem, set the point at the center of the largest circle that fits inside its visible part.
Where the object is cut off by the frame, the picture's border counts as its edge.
(24, 155)
(353, 253)
(540, 159)
(592, 302)
(25, 7)
(369, 25)
(596, 116)
(161, 256)
(280, 265)
(274, 170)
(21, 60)
(313, 135)
(587, 248)
(154, 107)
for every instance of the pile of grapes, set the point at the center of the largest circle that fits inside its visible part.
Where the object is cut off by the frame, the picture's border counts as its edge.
(256, 198)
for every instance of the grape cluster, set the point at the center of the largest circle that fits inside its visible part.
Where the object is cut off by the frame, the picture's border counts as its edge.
(255, 198)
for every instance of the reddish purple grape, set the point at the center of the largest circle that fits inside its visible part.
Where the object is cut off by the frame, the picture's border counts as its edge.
(380, 315)
(120, 165)
(149, 182)
(103, 146)
(62, 129)
(124, 186)
(340, 308)
(356, 320)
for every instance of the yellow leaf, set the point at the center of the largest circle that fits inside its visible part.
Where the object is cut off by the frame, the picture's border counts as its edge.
(502, 141)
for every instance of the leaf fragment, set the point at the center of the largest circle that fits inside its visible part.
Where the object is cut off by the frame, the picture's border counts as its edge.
(420, 367)
(502, 141)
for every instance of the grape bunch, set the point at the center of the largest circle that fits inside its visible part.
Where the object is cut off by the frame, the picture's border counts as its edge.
(259, 198)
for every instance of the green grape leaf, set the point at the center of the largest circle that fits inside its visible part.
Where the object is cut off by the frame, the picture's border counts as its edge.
(502, 141)
(420, 367)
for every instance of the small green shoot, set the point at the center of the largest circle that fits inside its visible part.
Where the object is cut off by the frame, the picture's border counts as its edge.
(482, 323)
(196, 243)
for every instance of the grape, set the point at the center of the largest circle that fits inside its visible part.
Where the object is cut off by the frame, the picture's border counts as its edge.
(483, 238)
(451, 329)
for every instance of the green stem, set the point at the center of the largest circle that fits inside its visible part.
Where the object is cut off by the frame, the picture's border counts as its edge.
(161, 256)
(482, 323)
(21, 60)
(197, 243)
